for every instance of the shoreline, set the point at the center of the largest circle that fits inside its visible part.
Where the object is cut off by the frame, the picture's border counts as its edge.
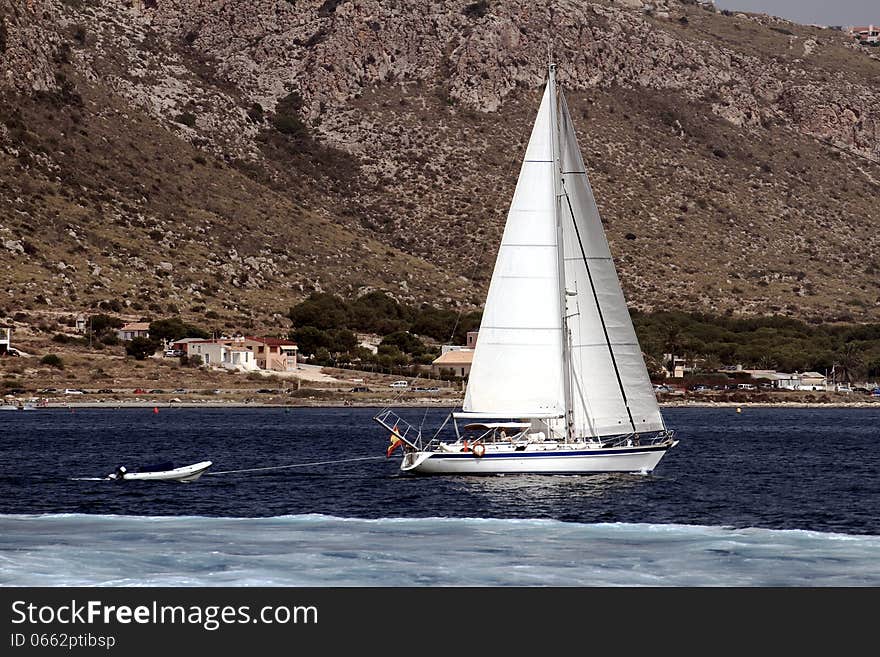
(156, 404)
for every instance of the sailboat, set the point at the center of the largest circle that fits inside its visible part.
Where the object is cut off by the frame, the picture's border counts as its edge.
(558, 383)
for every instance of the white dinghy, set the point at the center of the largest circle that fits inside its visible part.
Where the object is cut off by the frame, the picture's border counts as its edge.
(162, 471)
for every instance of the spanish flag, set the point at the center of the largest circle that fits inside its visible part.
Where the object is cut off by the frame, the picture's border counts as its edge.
(395, 443)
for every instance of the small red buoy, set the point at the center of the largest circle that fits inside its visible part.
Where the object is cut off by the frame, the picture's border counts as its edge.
(155, 409)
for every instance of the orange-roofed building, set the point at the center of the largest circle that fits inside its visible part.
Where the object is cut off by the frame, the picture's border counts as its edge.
(457, 361)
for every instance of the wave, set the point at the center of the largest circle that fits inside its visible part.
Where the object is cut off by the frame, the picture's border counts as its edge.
(323, 550)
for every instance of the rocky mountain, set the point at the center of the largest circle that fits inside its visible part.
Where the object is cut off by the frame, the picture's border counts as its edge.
(227, 158)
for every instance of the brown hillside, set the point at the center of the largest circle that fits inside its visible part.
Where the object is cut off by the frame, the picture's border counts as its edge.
(228, 158)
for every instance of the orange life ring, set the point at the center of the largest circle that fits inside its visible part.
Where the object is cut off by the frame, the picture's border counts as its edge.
(479, 450)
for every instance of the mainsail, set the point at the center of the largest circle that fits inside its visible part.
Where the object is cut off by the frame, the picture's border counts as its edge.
(517, 369)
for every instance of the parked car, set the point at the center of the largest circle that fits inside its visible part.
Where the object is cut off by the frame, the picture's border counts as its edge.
(140, 391)
(157, 392)
(400, 384)
(360, 389)
(660, 388)
(105, 391)
(173, 353)
(72, 391)
(699, 388)
(52, 391)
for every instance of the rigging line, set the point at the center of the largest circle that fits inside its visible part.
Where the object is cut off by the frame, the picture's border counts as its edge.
(599, 308)
(586, 402)
(424, 417)
(294, 465)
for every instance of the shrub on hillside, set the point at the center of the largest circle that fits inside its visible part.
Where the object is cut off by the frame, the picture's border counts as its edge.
(53, 360)
(287, 120)
(477, 9)
(186, 118)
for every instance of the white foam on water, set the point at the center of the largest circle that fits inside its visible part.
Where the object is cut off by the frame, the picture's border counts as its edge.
(319, 550)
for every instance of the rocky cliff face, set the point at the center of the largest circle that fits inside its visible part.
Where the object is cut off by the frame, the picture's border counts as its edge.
(481, 53)
(734, 157)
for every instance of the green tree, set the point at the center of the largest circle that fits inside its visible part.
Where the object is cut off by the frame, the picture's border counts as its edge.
(175, 328)
(377, 312)
(321, 310)
(101, 325)
(141, 347)
(341, 341)
(322, 356)
(405, 342)
(309, 339)
(848, 360)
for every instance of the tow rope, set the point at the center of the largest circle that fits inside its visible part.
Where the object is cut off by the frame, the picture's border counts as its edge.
(294, 465)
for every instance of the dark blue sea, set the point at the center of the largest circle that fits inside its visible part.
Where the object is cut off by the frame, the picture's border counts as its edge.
(768, 497)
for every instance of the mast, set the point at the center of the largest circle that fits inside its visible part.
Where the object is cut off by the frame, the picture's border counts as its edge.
(560, 257)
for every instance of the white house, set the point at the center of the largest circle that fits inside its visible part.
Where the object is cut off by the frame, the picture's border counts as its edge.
(223, 353)
(795, 381)
(5, 338)
(183, 344)
(239, 358)
(456, 361)
(133, 330)
(680, 366)
(813, 381)
(785, 381)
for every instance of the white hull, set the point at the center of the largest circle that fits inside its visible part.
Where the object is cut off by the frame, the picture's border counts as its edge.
(186, 473)
(568, 460)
